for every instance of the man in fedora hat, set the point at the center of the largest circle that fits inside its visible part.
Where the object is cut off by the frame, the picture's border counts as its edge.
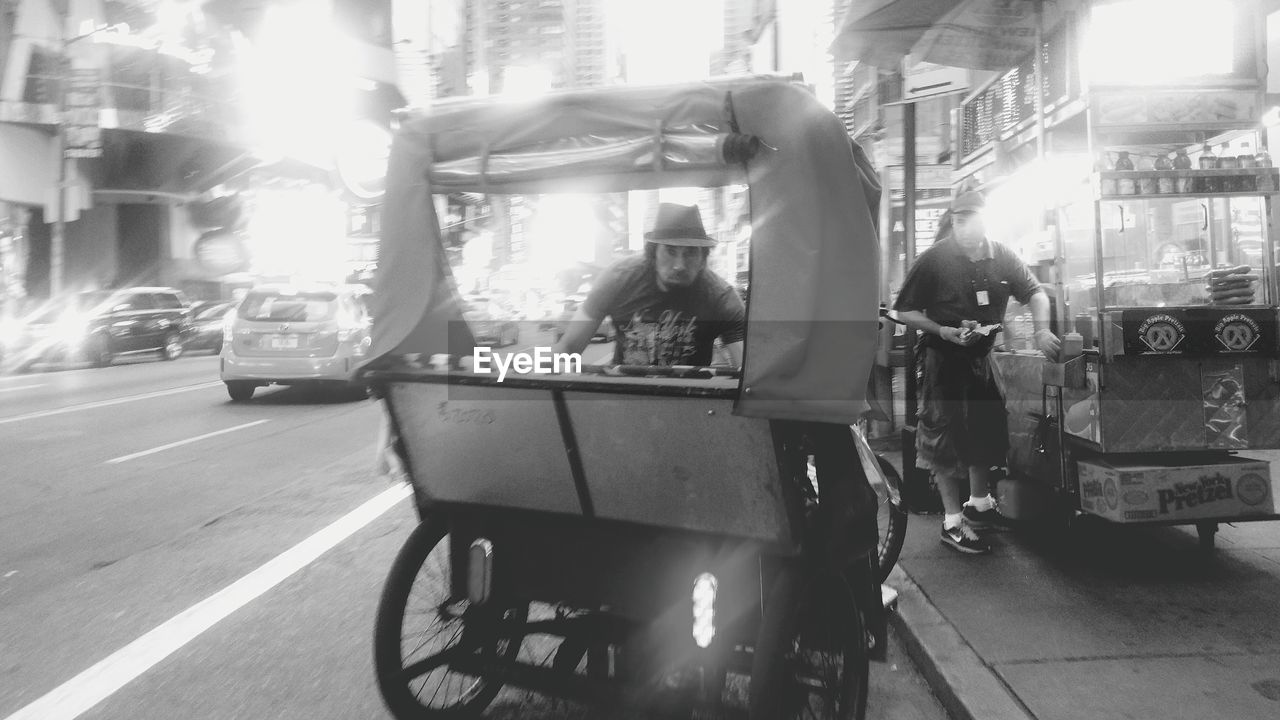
(956, 294)
(667, 308)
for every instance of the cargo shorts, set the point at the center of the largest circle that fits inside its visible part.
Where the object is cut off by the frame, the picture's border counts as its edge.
(962, 420)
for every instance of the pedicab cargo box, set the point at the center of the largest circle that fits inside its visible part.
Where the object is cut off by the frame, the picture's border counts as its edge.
(1150, 489)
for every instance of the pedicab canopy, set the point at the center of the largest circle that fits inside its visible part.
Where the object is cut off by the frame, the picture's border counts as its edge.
(812, 314)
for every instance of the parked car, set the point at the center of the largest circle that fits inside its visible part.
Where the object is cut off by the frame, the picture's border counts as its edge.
(100, 325)
(491, 322)
(292, 335)
(204, 331)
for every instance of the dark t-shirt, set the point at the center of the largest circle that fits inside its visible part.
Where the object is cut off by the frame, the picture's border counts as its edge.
(949, 287)
(676, 327)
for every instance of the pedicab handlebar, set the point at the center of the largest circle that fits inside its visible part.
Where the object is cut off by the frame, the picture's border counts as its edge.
(696, 372)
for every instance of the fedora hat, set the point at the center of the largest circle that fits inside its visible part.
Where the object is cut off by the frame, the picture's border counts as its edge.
(679, 225)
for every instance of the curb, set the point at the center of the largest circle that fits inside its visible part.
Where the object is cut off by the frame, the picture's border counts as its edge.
(965, 685)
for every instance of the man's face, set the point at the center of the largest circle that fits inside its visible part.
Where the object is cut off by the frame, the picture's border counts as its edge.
(678, 266)
(969, 229)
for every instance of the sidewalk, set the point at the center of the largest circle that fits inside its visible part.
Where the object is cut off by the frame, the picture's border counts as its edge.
(1109, 622)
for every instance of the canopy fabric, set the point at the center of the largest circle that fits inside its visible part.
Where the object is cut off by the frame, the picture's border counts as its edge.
(812, 318)
(975, 34)
(812, 322)
(882, 32)
(592, 164)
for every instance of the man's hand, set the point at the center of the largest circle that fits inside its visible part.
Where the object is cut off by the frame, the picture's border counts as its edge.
(960, 336)
(1047, 343)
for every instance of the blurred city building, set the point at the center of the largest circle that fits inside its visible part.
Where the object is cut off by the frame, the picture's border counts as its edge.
(175, 133)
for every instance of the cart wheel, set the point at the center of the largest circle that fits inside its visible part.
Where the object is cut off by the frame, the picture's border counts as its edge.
(413, 647)
(810, 658)
(891, 520)
(1206, 531)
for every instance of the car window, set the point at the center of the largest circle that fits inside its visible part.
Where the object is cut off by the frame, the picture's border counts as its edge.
(212, 312)
(132, 301)
(276, 306)
(167, 301)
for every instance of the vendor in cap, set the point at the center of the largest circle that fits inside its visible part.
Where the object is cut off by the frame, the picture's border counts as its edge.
(667, 308)
(955, 288)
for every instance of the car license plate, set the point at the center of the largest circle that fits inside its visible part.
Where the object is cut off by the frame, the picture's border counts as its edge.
(283, 342)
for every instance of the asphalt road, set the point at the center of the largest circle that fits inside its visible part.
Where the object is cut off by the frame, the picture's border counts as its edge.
(166, 553)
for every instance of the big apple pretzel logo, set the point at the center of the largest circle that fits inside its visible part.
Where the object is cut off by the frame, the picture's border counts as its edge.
(1237, 333)
(1162, 333)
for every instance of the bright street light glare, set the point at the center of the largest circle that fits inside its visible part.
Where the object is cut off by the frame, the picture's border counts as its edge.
(1155, 41)
(296, 82)
(525, 81)
(667, 40)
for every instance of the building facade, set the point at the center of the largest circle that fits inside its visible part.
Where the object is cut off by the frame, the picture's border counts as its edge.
(142, 115)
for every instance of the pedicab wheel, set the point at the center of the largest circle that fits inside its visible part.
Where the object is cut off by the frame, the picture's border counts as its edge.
(421, 628)
(891, 521)
(810, 658)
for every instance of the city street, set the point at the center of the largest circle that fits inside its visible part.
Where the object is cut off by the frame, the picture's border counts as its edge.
(166, 553)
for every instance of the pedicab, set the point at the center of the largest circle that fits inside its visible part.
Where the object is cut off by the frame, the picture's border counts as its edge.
(696, 538)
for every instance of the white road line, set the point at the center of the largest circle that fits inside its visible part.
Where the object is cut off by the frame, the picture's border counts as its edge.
(106, 403)
(162, 448)
(21, 387)
(72, 698)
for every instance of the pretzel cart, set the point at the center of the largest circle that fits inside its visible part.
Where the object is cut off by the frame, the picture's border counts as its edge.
(1161, 265)
(632, 533)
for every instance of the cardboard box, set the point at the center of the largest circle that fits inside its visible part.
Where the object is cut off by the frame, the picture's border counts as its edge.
(1127, 489)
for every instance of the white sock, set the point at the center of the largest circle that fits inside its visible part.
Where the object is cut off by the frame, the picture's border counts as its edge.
(950, 521)
(981, 504)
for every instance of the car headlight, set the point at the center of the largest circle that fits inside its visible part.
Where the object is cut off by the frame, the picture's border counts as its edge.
(71, 329)
(11, 332)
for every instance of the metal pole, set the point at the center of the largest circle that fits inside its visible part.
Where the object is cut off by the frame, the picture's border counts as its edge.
(57, 241)
(909, 243)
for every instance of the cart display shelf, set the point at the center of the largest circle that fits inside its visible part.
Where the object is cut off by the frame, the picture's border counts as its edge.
(1265, 181)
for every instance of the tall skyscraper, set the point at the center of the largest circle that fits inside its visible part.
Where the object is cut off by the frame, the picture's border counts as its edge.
(556, 43)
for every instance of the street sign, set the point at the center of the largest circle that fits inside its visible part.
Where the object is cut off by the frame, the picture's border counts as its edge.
(80, 117)
(890, 151)
(922, 80)
(936, 177)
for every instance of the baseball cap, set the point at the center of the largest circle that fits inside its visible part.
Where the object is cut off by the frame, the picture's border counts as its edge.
(967, 202)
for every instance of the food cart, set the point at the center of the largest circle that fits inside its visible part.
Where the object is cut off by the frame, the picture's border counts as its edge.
(1152, 225)
(1121, 145)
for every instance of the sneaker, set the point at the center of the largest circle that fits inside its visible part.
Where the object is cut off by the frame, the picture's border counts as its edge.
(990, 519)
(963, 538)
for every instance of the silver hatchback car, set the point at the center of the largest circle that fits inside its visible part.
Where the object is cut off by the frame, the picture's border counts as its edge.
(291, 335)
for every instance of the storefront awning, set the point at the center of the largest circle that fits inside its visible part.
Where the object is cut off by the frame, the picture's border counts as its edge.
(976, 34)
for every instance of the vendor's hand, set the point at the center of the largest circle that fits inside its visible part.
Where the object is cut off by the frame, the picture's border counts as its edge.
(965, 337)
(1047, 343)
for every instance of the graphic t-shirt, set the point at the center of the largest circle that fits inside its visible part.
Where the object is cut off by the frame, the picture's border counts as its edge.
(675, 327)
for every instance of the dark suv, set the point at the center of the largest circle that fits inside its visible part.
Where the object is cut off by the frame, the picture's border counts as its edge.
(99, 325)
